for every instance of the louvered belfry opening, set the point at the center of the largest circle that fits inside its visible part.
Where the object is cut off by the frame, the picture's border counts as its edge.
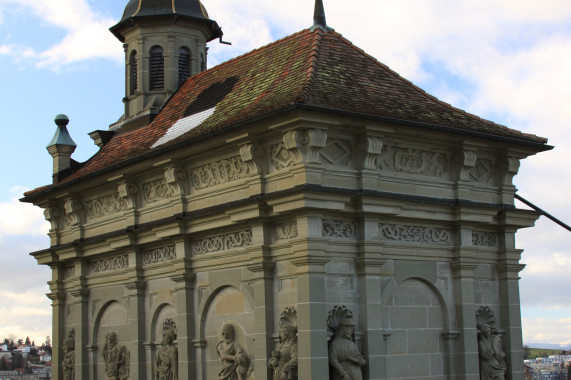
(183, 65)
(156, 69)
(133, 72)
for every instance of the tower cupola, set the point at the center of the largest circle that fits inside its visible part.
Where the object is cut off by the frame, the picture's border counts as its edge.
(164, 43)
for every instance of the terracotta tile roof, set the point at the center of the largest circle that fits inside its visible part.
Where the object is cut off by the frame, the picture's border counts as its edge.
(315, 68)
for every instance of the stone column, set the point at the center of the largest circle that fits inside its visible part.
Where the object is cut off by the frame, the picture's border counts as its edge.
(313, 358)
(263, 316)
(184, 287)
(137, 327)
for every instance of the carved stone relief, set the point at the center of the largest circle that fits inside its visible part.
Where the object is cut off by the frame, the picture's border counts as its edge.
(223, 242)
(339, 228)
(235, 363)
(492, 356)
(158, 255)
(157, 190)
(482, 171)
(52, 215)
(68, 362)
(109, 204)
(306, 145)
(284, 360)
(285, 231)
(166, 359)
(281, 157)
(417, 234)
(337, 152)
(108, 265)
(344, 355)
(117, 358)
(371, 148)
(68, 272)
(219, 172)
(254, 157)
(73, 212)
(414, 161)
(484, 239)
(128, 194)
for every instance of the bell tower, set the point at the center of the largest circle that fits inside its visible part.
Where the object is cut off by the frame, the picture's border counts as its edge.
(165, 43)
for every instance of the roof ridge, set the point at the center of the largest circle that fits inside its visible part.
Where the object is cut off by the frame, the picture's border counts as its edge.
(251, 52)
(312, 66)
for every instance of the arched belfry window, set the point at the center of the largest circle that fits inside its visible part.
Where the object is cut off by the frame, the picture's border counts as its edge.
(156, 69)
(133, 72)
(183, 65)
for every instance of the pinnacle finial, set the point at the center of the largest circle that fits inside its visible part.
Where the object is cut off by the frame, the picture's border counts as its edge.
(319, 14)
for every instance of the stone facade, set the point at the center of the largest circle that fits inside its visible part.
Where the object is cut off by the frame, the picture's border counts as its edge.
(412, 231)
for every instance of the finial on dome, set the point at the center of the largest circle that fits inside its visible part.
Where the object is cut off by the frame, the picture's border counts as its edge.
(319, 14)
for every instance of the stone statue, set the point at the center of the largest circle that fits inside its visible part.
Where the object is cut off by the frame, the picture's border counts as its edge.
(492, 357)
(284, 360)
(344, 355)
(234, 361)
(166, 360)
(68, 363)
(116, 358)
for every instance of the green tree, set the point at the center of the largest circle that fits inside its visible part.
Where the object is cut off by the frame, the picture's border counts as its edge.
(28, 342)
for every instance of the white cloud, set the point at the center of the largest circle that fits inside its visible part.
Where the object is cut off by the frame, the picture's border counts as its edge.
(87, 35)
(547, 330)
(17, 218)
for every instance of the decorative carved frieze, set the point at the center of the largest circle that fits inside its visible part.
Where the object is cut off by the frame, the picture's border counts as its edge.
(414, 161)
(417, 234)
(158, 255)
(108, 265)
(223, 242)
(285, 231)
(281, 157)
(157, 190)
(339, 228)
(482, 171)
(219, 172)
(68, 272)
(484, 239)
(337, 153)
(109, 204)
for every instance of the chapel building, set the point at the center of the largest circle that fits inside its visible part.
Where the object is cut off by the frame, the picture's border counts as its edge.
(301, 200)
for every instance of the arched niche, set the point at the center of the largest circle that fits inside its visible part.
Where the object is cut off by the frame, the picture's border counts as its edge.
(112, 317)
(415, 318)
(226, 305)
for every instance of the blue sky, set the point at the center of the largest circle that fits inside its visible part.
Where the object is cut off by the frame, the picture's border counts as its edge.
(508, 61)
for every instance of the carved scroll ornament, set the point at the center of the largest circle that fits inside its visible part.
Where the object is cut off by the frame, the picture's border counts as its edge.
(223, 242)
(417, 234)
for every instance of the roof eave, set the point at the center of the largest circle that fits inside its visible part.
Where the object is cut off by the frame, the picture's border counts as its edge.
(536, 145)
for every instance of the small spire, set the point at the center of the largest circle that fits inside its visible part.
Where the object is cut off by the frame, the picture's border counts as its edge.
(319, 14)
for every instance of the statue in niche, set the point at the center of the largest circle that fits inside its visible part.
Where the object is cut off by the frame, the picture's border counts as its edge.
(234, 361)
(492, 357)
(344, 355)
(68, 363)
(166, 360)
(284, 360)
(116, 358)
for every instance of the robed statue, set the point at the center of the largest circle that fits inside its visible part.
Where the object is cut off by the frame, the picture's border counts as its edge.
(116, 358)
(235, 364)
(345, 358)
(492, 358)
(166, 360)
(284, 360)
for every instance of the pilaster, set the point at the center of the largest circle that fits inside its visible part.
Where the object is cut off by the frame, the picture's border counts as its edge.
(81, 333)
(184, 288)
(57, 296)
(313, 361)
(262, 285)
(137, 327)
